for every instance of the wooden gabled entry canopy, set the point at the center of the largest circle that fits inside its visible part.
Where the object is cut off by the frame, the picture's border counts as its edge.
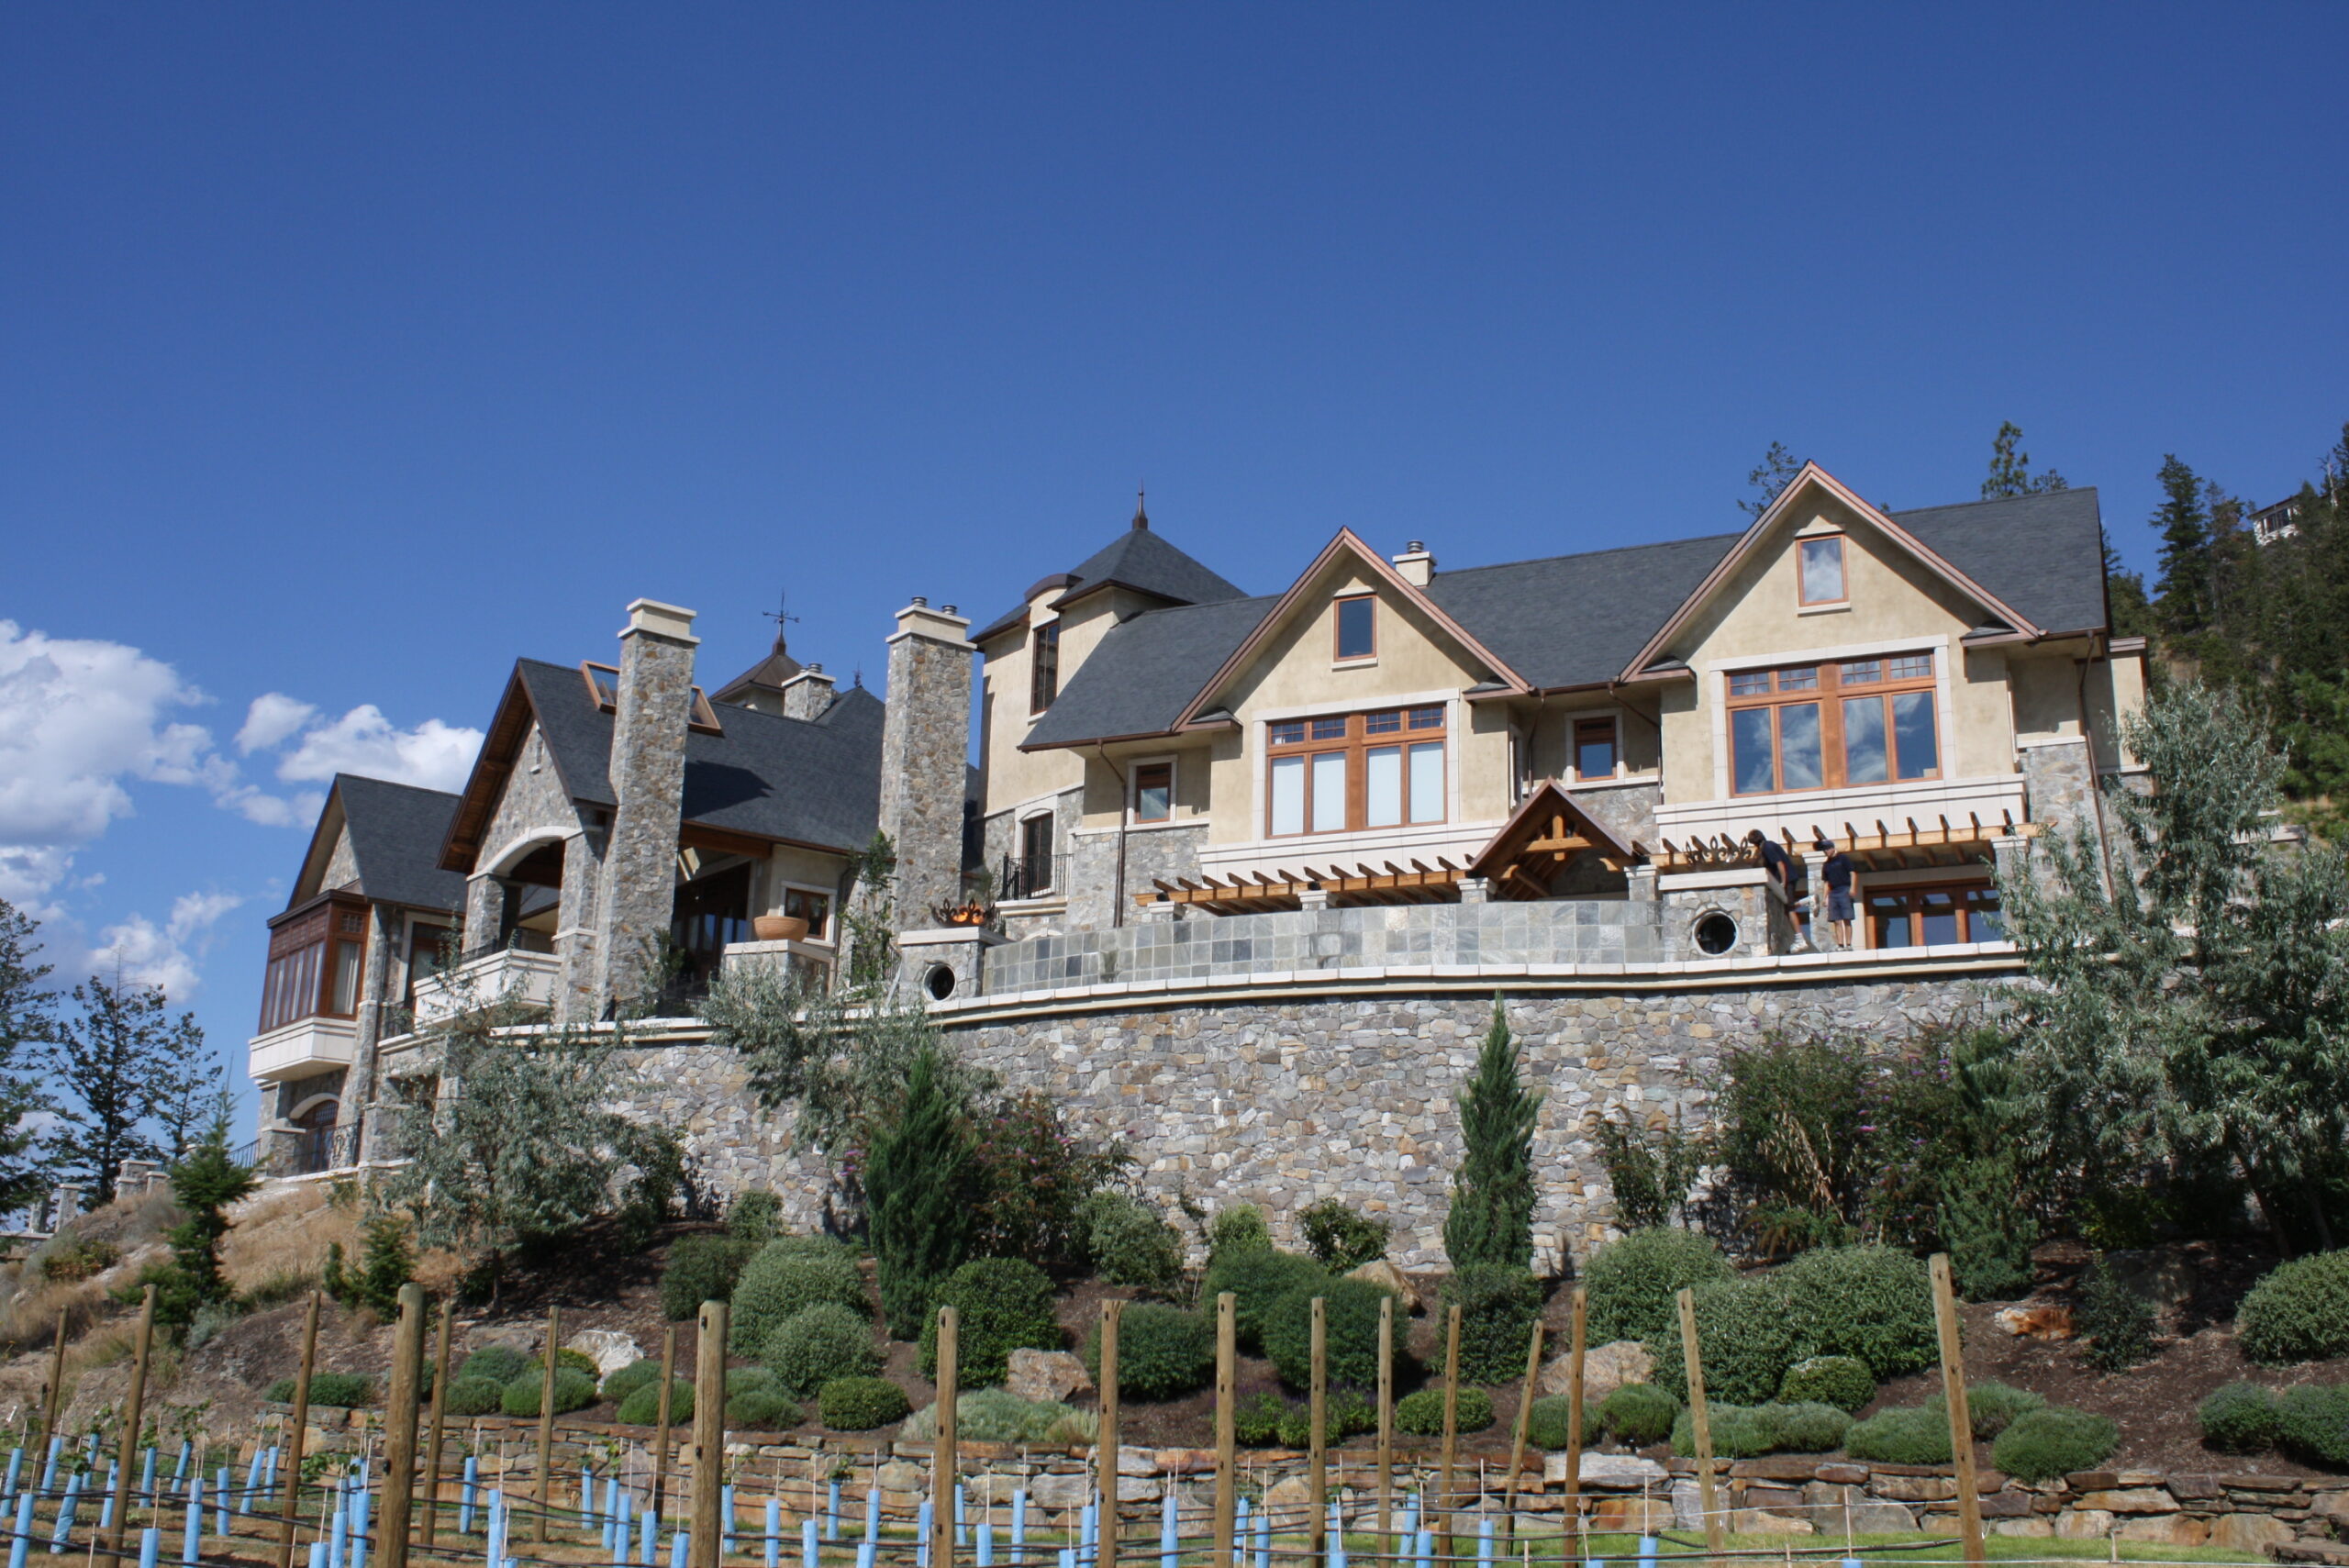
(1547, 829)
(1888, 847)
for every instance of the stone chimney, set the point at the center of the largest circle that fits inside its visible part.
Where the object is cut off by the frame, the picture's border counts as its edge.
(807, 693)
(1416, 565)
(648, 774)
(925, 754)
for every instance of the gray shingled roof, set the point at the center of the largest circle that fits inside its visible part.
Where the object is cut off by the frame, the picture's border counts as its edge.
(1571, 620)
(1136, 559)
(395, 832)
(811, 781)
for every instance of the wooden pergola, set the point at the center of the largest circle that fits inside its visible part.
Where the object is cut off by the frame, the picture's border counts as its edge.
(1413, 882)
(1907, 847)
(1547, 830)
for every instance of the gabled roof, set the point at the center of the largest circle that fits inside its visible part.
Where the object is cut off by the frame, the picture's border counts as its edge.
(1146, 672)
(1548, 828)
(1575, 620)
(2043, 553)
(770, 673)
(395, 831)
(1137, 559)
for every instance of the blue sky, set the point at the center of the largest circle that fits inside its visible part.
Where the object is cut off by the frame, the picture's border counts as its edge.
(352, 350)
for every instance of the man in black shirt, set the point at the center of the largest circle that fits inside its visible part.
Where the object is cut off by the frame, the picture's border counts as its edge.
(1837, 874)
(1782, 872)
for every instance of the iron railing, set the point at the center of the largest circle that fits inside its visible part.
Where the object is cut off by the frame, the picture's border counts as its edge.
(1031, 878)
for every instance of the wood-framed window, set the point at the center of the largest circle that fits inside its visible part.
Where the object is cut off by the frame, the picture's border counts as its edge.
(426, 944)
(1598, 748)
(315, 961)
(1043, 666)
(1340, 773)
(1853, 722)
(604, 686)
(1357, 627)
(1819, 559)
(1036, 855)
(1935, 915)
(813, 906)
(1154, 792)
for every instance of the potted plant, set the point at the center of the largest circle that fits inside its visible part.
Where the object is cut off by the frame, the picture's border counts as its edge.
(778, 928)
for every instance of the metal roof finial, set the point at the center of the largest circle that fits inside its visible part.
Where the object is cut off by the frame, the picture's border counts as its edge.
(1141, 518)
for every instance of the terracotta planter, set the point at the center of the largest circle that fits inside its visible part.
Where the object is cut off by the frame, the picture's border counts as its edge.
(778, 928)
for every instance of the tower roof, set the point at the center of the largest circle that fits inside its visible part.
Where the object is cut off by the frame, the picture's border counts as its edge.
(1139, 559)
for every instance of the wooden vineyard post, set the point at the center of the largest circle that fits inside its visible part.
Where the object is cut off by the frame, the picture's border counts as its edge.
(1451, 1426)
(133, 1410)
(399, 1431)
(1517, 1433)
(1226, 1388)
(707, 1534)
(56, 1378)
(1317, 1449)
(546, 1427)
(661, 1437)
(300, 1432)
(439, 1418)
(1105, 1450)
(1961, 1419)
(945, 1462)
(1574, 1426)
(1700, 1420)
(1385, 1479)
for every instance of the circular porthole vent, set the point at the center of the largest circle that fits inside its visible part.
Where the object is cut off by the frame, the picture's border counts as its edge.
(939, 982)
(1715, 934)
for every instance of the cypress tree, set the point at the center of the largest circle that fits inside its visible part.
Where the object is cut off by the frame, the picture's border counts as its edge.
(1491, 1219)
(917, 1181)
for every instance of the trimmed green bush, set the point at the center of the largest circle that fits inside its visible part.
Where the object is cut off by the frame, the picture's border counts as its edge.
(991, 1415)
(742, 1379)
(1740, 1431)
(1257, 1422)
(1004, 1304)
(1990, 1407)
(1639, 1414)
(2116, 1321)
(473, 1396)
(1500, 1304)
(577, 1361)
(751, 1217)
(1163, 1353)
(1339, 1238)
(1348, 1411)
(1238, 1228)
(2238, 1418)
(766, 1406)
(1905, 1435)
(1631, 1283)
(630, 1378)
(335, 1389)
(780, 1282)
(821, 1343)
(1256, 1280)
(702, 1268)
(1296, 1429)
(1804, 1426)
(1873, 1303)
(860, 1403)
(2297, 1312)
(1129, 1242)
(1421, 1414)
(1746, 1334)
(2041, 1445)
(499, 1364)
(1546, 1423)
(574, 1390)
(2312, 1424)
(1844, 1382)
(642, 1408)
(1350, 1332)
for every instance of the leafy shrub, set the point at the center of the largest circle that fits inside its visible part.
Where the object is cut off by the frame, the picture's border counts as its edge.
(1738, 1431)
(860, 1403)
(1257, 1422)
(1746, 1336)
(1989, 1234)
(990, 1415)
(1499, 1305)
(1546, 1422)
(1421, 1414)
(1003, 1305)
(1874, 1304)
(1129, 1243)
(501, 1364)
(2044, 1444)
(1339, 1238)
(783, 1280)
(1033, 1174)
(1163, 1353)
(2312, 1424)
(752, 1217)
(577, 1361)
(766, 1406)
(1256, 1280)
(386, 1263)
(642, 1408)
(1905, 1435)
(2298, 1311)
(1348, 1411)
(1639, 1414)
(1841, 1381)
(336, 1388)
(821, 1343)
(1990, 1407)
(1631, 1283)
(742, 1379)
(1350, 1332)
(473, 1396)
(2116, 1320)
(2239, 1419)
(1238, 1228)
(1804, 1426)
(574, 1390)
(1295, 1427)
(630, 1378)
(702, 1268)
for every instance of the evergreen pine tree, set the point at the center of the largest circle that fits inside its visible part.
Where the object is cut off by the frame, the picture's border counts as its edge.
(2183, 592)
(917, 1190)
(25, 1021)
(109, 1062)
(2011, 470)
(206, 1184)
(1491, 1219)
(1770, 477)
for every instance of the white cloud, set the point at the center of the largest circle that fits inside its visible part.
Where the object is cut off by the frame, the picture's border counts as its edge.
(273, 718)
(144, 953)
(433, 754)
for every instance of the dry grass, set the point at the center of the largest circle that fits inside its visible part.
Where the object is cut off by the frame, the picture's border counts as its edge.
(28, 1316)
(277, 1240)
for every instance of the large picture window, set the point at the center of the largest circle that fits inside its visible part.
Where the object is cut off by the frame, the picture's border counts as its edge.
(1856, 721)
(1935, 914)
(314, 966)
(1347, 772)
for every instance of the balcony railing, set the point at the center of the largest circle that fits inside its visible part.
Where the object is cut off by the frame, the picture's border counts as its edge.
(528, 978)
(302, 1048)
(1031, 878)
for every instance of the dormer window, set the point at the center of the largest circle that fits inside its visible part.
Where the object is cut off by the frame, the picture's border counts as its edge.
(1043, 666)
(1357, 627)
(1822, 570)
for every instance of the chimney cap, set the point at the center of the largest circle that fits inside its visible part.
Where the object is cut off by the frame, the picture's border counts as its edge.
(942, 624)
(663, 620)
(1415, 548)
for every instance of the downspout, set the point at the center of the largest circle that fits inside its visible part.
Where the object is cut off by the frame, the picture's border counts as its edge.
(1117, 904)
